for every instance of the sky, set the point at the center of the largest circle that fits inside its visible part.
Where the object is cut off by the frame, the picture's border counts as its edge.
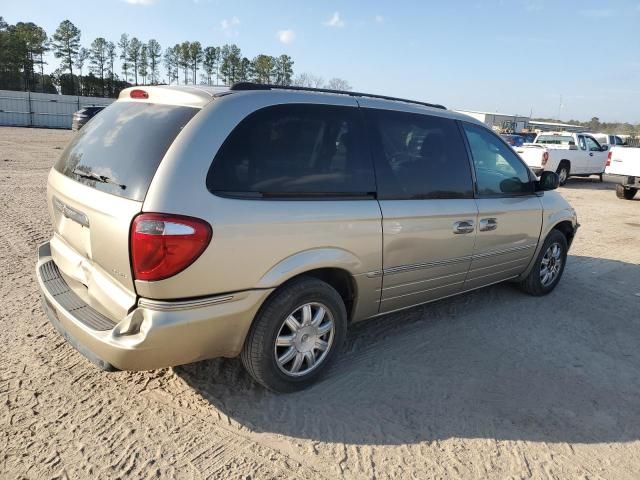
(564, 59)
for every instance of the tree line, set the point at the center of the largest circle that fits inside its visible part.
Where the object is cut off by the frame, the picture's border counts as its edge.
(92, 71)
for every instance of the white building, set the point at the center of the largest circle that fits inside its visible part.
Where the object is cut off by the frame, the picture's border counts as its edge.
(501, 122)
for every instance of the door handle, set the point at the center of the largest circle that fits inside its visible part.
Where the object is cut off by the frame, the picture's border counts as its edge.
(488, 224)
(463, 226)
(591, 154)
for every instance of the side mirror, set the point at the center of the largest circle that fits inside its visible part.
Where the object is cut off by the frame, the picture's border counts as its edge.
(548, 181)
(604, 148)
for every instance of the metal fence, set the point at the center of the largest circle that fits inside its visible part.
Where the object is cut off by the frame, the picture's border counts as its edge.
(29, 109)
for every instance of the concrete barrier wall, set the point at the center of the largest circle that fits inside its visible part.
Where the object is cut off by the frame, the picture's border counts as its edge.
(29, 109)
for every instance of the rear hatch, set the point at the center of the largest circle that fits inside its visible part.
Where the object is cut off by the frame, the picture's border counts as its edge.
(95, 190)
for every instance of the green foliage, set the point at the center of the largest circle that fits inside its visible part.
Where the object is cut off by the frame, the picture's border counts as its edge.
(195, 59)
(144, 64)
(22, 48)
(283, 70)
(154, 52)
(98, 58)
(123, 45)
(66, 45)
(133, 57)
(211, 63)
(263, 68)
(231, 58)
(171, 63)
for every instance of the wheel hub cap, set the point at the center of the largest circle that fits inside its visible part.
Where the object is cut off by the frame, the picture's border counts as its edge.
(304, 339)
(563, 175)
(551, 264)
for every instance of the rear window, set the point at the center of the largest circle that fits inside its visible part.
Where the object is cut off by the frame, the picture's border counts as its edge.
(119, 151)
(555, 140)
(294, 150)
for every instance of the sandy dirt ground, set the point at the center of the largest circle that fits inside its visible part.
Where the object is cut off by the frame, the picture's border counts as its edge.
(492, 384)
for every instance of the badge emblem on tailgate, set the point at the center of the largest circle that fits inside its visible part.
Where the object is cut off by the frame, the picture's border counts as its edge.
(71, 213)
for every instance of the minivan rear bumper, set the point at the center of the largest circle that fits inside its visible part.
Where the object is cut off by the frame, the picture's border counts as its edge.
(155, 334)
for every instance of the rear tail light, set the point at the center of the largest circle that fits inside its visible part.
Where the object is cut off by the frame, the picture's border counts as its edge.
(545, 158)
(163, 245)
(137, 93)
(608, 159)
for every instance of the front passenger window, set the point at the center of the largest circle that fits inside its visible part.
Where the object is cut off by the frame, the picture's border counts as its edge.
(498, 170)
(593, 145)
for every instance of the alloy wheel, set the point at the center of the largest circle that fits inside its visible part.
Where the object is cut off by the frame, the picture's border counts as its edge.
(551, 264)
(304, 339)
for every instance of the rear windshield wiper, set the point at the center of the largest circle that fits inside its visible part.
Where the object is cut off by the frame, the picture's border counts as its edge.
(98, 178)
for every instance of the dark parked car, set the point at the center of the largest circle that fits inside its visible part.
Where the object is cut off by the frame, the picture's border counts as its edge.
(83, 115)
(513, 140)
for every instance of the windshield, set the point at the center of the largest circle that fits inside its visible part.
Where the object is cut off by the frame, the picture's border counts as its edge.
(119, 151)
(556, 140)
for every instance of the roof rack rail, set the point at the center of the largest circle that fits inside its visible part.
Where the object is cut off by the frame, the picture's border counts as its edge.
(240, 86)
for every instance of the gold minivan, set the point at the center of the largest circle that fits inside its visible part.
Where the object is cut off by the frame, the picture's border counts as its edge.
(261, 221)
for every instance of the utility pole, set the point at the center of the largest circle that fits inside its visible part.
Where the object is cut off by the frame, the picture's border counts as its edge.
(560, 107)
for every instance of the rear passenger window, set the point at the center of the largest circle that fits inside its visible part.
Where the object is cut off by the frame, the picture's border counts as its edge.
(294, 150)
(582, 143)
(419, 156)
(499, 171)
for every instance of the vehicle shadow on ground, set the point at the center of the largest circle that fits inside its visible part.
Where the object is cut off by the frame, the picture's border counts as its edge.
(494, 363)
(593, 183)
(590, 183)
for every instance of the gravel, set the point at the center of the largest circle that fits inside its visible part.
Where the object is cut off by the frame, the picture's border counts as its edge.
(491, 384)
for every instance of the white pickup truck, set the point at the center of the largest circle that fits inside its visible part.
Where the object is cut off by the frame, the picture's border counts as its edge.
(567, 154)
(624, 164)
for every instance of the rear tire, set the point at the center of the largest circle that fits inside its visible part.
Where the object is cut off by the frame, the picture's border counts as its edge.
(625, 193)
(285, 349)
(548, 266)
(563, 171)
(601, 177)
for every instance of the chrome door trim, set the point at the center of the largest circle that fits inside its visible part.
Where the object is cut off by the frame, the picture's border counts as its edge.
(417, 292)
(505, 250)
(450, 261)
(418, 266)
(429, 280)
(519, 259)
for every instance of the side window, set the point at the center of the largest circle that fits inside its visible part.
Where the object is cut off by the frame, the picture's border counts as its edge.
(592, 145)
(289, 150)
(582, 143)
(418, 156)
(499, 171)
(618, 140)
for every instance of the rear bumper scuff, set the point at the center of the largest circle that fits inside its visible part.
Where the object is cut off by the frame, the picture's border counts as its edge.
(155, 334)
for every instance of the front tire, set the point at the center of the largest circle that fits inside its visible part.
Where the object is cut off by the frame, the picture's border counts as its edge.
(625, 193)
(548, 267)
(296, 334)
